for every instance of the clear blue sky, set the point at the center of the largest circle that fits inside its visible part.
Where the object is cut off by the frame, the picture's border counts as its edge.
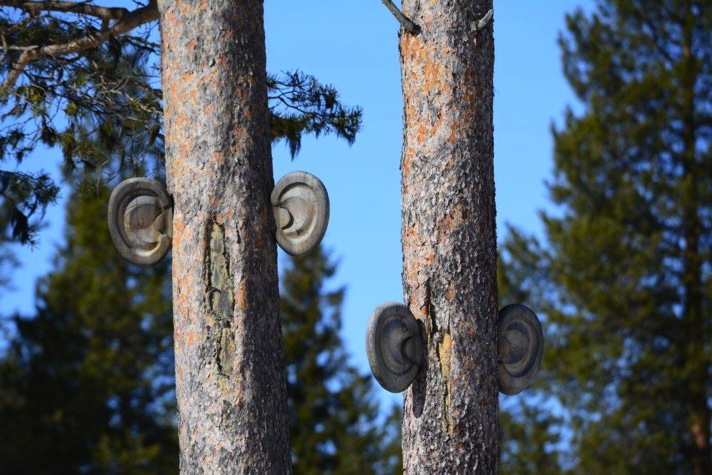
(353, 45)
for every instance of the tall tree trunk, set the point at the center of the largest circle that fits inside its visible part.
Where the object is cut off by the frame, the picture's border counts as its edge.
(693, 310)
(230, 379)
(449, 237)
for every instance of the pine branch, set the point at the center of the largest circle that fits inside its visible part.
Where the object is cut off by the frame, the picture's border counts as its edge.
(127, 21)
(35, 7)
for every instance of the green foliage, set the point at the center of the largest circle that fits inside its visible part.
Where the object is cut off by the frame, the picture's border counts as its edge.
(301, 105)
(625, 278)
(104, 97)
(529, 447)
(108, 97)
(532, 432)
(335, 424)
(23, 196)
(86, 384)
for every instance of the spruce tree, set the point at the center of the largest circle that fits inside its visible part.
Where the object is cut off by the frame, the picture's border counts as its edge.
(532, 433)
(230, 382)
(334, 420)
(624, 277)
(528, 438)
(87, 383)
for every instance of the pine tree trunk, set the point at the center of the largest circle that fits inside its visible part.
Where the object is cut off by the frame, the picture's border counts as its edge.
(449, 237)
(693, 261)
(231, 387)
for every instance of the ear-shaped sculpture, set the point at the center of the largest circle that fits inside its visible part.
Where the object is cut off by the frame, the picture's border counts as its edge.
(394, 346)
(301, 209)
(521, 344)
(141, 220)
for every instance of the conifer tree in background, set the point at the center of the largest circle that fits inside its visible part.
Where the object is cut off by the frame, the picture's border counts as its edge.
(531, 435)
(8, 260)
(112, 139)
(527, 448)
(334, 421)
(87, 383)
(53, 70)
(625, 280)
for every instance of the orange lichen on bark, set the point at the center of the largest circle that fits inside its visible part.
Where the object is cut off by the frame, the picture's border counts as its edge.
(449, 293)
(407, 162)
(178, 225)
(427, 70)
(434, 75)
(415, 278)
(189, 339)
(450, 222)
(241, 301)
(469, 97)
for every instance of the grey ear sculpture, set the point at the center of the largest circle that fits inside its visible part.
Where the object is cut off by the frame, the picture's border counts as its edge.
(301, 210)
(394, 345)
(521, 344)
(141, 220)
(141, 217)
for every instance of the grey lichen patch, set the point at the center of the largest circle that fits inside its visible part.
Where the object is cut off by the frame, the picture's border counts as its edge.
(220, 298)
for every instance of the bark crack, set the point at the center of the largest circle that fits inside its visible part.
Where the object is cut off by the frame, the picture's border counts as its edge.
(443, 350)
(220, 298)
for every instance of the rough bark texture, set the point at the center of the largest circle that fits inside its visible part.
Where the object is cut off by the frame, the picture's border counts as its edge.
(449, 237)
(230, 379)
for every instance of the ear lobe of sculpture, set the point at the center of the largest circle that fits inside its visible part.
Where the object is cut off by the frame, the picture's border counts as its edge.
(300, 205)
(521, 345)
(394, 346)
(141, 220)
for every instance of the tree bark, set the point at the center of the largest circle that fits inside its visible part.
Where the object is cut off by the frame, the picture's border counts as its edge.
(449, 237)
(230, 380)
